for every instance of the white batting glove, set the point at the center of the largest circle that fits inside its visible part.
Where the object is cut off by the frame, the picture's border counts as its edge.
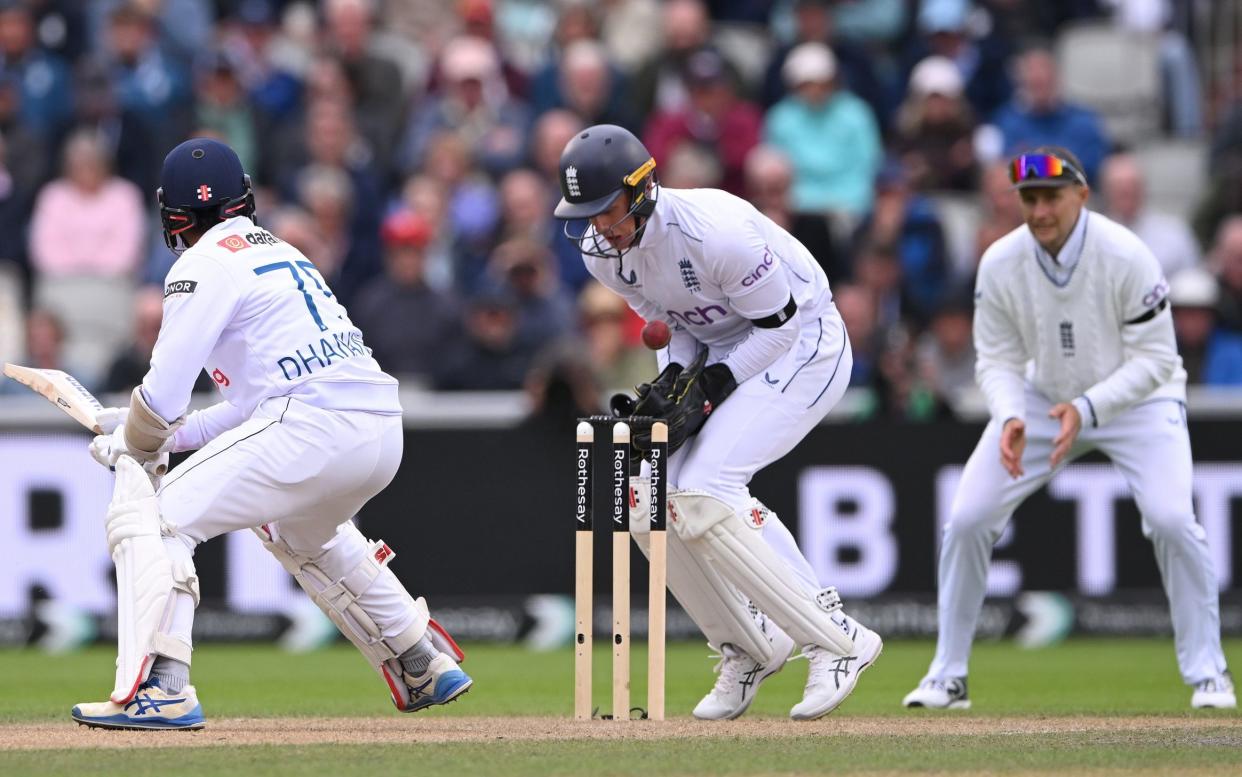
(107, 448)
(110, 418)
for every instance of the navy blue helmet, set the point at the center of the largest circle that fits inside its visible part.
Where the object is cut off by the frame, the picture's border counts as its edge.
(598, 165)
(202, 183)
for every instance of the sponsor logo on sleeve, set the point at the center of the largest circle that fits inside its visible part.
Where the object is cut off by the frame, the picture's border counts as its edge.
(761, 269)
(1158, 292)
(180, 287)
(234, 243)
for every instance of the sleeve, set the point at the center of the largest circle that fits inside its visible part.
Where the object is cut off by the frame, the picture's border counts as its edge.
(752, 276)
(199, 301)
(1001, 356)
(1149, 349)
(203, 426)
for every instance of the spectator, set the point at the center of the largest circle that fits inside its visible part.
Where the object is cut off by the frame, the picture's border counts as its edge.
(945, 28)
(405, 322)
(769, 182)
(620, 19)
(658, 85)
(946, 351)
(906, 223)
(1125, 199)
(88, 221)
(375, 81)
(1037, 116)
(591, 87)
(221, 106)
(43, 79)
(828, 134)
(561, 387)
(619, 362)
(1226, 260)
(935, 129)
(427, 197)
(858, 310)
(476, 105)
(45, 349)
(134, 147)
(1194, 294)
(489, 356)
(715, 119)
(576, 21)
(1002, 212)
(131, 364)
(522, 267)
(551, 132)
(155, 86)
(813, 23)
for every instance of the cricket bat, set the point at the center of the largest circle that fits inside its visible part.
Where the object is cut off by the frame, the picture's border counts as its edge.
(62, 390)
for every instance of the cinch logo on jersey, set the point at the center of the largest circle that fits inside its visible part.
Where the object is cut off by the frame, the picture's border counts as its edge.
(700, 316)
(317, 356)
(180, 287)
(761, 269)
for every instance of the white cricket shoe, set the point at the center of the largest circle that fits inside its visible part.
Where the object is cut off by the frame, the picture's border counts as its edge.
(151, 708)
(1215, 692)
(939, 693)
(832, 677)
(739, 678)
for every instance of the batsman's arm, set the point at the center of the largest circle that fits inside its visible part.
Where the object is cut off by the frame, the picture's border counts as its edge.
(203, 426)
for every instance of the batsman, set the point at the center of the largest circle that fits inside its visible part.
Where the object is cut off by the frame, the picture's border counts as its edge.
(308, 430)
(758, 357)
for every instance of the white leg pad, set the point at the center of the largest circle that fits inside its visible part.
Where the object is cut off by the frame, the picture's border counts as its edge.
(715, 606)
(714, 532)
(147, 581)
(339, 598)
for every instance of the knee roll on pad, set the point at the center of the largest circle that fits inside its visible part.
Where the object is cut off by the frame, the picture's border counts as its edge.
(714, 532)
(147, 580)
(338, 598)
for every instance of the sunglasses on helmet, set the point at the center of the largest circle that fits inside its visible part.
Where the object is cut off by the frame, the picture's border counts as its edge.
(1043, 168)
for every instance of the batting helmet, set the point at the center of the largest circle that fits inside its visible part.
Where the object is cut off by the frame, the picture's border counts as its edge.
(597, 166)
(202, 183)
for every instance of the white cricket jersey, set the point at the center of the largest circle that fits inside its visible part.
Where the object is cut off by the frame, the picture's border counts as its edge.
(254, 313)
(1100, 335)
(709, 264)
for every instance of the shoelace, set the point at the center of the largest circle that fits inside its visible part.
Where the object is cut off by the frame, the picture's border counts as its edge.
(729, 669)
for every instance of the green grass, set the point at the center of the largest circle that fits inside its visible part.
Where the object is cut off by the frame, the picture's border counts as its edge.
(1081, 677)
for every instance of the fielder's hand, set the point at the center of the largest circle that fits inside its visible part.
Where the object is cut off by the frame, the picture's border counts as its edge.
(1071, 425)
(1012, 446)
(107, 448)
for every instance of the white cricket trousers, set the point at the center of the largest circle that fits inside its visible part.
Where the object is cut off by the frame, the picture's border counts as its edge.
(1150, 446)
(762, 421)
(307, 470)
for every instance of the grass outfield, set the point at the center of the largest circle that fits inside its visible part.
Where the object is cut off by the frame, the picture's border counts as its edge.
(1085, 706)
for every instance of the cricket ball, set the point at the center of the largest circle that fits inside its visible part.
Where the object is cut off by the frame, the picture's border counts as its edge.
(656, 335)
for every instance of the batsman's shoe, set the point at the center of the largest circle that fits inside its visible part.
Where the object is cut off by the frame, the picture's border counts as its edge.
(832, 677)
(151, 708)
(442, 683)
(939, 693)
(1215, 692)
(739, 677)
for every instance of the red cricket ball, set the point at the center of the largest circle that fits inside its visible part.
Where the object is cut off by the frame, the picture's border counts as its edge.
(656, 335)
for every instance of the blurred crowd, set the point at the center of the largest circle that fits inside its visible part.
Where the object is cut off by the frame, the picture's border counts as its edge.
(409, 148)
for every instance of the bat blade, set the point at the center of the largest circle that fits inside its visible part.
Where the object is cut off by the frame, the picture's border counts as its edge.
(62, 390)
